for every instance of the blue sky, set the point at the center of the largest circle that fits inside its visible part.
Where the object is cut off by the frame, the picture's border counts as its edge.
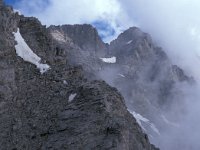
(10, 1)
(13, 2)
(104, 28)
(28, 6)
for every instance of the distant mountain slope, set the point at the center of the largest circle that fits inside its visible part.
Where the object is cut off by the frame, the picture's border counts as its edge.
(132, 63)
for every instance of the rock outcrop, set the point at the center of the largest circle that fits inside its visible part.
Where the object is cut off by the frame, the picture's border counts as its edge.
(59, 109)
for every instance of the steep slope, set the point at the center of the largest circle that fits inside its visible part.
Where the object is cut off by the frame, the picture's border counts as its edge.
(57, 108)
(145, 64)
(150, 82)
(133, 64)
(82, 45)
(85, 36)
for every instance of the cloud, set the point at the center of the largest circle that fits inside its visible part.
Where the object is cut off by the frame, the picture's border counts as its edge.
(174, 25)
(77, 12)
(32, 7)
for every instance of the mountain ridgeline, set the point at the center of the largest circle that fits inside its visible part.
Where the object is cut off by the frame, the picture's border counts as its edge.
(141, 71)
(84, 99)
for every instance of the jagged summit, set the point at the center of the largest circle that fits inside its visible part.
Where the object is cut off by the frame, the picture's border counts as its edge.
(132, 38)
(134, 34)
(85, 36)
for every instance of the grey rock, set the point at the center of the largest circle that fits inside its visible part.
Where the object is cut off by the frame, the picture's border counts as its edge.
(85, 36)
(143, 73)
(35, 111)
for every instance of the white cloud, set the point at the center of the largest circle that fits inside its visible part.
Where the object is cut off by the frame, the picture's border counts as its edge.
(77, 12)
(31, 7)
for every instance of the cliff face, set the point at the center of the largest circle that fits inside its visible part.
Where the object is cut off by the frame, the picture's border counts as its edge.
(57, 107)
(135, 65)
(82, 45)
(85, 36)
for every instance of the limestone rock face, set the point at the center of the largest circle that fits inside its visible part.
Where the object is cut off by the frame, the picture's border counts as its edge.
(59, 109)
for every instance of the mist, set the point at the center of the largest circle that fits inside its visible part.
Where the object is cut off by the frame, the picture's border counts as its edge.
(184, 134)
(79, 12)
(178, 123)
(174, 25)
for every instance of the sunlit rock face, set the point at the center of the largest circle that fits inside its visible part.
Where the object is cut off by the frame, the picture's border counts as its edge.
(36, 112)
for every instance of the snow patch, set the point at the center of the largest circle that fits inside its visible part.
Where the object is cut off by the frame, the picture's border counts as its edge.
(129, 42)
(71, 97)
(121, 75)
(65, 82)
(24, 51)
(111, 60)
(139, 118)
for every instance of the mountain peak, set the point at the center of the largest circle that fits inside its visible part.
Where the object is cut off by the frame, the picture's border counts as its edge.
(134, 33)
(85, 36)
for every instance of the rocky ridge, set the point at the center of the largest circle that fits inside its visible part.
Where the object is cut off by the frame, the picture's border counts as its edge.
(36, 112)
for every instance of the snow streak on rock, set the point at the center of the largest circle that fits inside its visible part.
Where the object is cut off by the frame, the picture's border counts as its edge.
(129, 42)
(110, 60)
(71, 97)
(121, 75)
(24, 51)
(139, 118)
